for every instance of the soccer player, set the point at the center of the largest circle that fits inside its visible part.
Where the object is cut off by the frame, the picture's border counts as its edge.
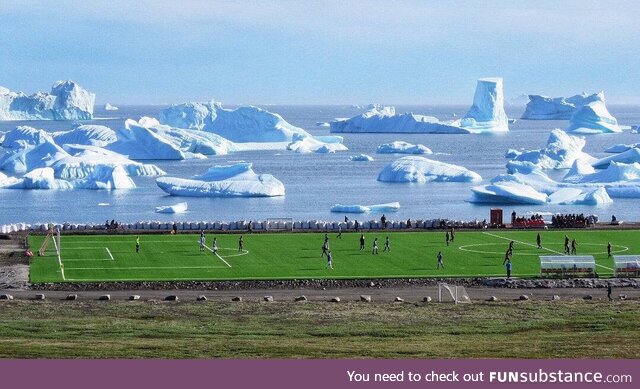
(329, 260)
(387, 245)
(214, 246)
(137, 244)
(375, 246)
(507, 257)
(574, 244)
(202, 242)
(539, 241)
(608, 249)
(440, 263)
(566, 244)
(453, 232)
(240, 244)
(325, 249)
(361, 242)
(339, 232)
(326, 238)
(508, 266)
(447, 238)
(511, 246)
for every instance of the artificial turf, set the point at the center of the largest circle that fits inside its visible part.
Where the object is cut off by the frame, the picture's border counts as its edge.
(88, 258)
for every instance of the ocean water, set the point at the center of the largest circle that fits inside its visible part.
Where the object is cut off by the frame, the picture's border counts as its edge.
(315, 182)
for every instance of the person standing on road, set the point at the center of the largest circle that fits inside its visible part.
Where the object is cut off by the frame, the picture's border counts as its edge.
(609, 290)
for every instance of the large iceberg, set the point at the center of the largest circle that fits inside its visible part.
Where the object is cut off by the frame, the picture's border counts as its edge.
(629, 156)
(29, 157)
(486, 115)
(560, 152)
(83, 160)
(400, 147)
(552, 108)
(355, 208)
(102, 177)
(66, 101)
(238, 180)
(243, 124)
(23, 136)
(421, 170)
(593, 117)
(507, 192)
(87, 134)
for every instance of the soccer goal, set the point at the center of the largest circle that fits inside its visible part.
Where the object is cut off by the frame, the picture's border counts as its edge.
(52, 240)
(279, 224)
(452, 294)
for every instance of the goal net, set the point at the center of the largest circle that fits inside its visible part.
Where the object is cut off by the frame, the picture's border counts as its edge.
(452, 294)
(279, 224)
(51, 242)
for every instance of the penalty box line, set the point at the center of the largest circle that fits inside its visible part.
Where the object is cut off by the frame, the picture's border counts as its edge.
(532, 245)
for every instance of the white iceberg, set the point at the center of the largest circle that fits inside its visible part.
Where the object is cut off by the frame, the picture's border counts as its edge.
(629, 156)
(593, 117)
(310, 144)
(616, 172)
(361, 158)
(109, 107)
(486, 115)
(323, 124)
(576, 196)
(102, 177)
(507, 192)
(621, 148)
(29, 157)
(552, 108)
(66, 101)
(560, 152)
(238, 180)
(355, 208)
(400, 147)
(177, 208)
(421, 170)
(23, 136)
(578, 171)
(87, 134)
(244, 124)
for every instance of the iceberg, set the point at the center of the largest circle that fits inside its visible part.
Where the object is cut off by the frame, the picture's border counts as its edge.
(361, 158)
(552, 108)
(178, 208)
(421, 170)
(486, 115)
(310, 144)
(102, 177)
(621, 148)
(87, 134)
(29, 157)
(400, 147)
(576, 196)
(238, 180)
(560, 152)
(109, 107)
(243, 124)
(507, 192)
(378, 208)
(629, 156)
(593, 117)
(23, 136)
(323, 124)
(66, 101)
(615, 172)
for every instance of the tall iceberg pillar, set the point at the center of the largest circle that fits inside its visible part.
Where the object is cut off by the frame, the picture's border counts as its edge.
(487, 112)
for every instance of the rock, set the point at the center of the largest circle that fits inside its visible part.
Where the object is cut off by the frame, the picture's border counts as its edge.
(201, 298)
(588, 297)
(524, 297)
(105, 297)
(427, 299)
(268, 299)
(399, 300)
(72, 297)
(6, 297)
(39, 296)
(335, 299)
(622, 297)
(492, 298)
(555, 297)
(372, 284)
(171, 297)
(301, 298)
(134, 297)
(365, 298)
(236, 298)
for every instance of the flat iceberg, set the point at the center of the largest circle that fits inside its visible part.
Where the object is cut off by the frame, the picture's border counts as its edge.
(486, 115)
(310, 144)
(243, 124)
(238, 180)
(177, 208)
(361, 158)
(87, 134)
(552, 108)
(576, 196)
(560, 152)
(421, 170)
(102, 177)
(593, 117)
(378, 208)
(507, 192)
(621, 148)
(629, 156)
(66, 101)
(400, 147)
(323, 124)
(109, 107)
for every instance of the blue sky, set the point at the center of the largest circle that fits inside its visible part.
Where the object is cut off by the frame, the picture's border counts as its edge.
(320, 52)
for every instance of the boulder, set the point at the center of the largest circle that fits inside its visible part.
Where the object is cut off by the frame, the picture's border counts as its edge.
(236, 298)
(524, 297)
(588, 297)
(555, 297)
(201, 298)
(105, 297)
(399, 300)
(6, 297)
(171, 297)
(365, 298)
(39, 296)
(492, 298)
(134, 297)
(335, 299)
(301, 298)
(427, 299)
(268, 299)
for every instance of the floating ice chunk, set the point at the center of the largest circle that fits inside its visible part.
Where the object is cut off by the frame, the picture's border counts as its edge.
(66, 101)
(177, 208)
(575, 196)
(593, 117)
(40, 178)
(552, 108)
(401, 147)
(621, 148)
(7, 181)
(487, 112)
(323, 124)
(507, 192)
(31, 157)
(361, 158)
(139, 143)
(355, 208)
(238, 180)
(629, 156)
(511, 153)
(23, 136)
(106, 177)
(614, 173)
(109, 107)
(310, 144)
(420, 169)
(388, 207)
(244, 124)
(578, 171)
(87, 134)
(560, 152)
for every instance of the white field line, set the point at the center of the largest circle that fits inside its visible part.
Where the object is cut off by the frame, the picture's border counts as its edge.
(217, 255)
(111, 256)
(87, 259)
(59, 259)
(544, 248)
(147, 268)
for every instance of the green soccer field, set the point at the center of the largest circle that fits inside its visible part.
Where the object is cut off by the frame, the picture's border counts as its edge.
(88, 258)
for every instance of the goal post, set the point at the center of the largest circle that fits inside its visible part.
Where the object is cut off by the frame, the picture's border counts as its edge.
(452, 294)
(278, 224)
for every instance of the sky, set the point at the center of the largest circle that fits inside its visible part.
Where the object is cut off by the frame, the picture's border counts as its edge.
(320, 52)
